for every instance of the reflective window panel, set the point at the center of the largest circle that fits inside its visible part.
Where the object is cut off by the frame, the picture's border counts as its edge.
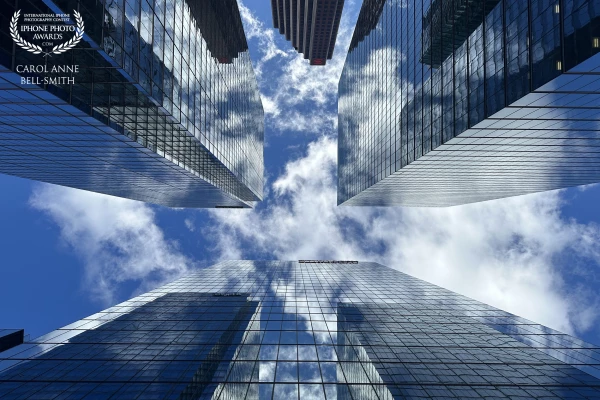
(164, 107)
(301, 330)
(446, 102)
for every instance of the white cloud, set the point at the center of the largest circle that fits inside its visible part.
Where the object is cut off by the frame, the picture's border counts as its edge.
(117, 239)
(189, 224)
(255, 29)
(289, 85)
(506, 253)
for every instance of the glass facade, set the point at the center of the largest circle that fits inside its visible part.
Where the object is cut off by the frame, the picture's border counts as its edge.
(446, 102)
(164, 108)
(308, 330)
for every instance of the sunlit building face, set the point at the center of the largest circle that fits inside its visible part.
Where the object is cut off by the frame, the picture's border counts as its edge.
(302, 330)
(452, 102)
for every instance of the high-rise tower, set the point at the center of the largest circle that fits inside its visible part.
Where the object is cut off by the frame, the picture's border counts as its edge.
(307, 329)
(311, 26)
(157, 101)
(450, 102)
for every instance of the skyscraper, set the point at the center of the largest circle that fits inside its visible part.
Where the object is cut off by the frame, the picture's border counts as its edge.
(307, 329)
(311, 26)
(157, 102)
(452, 102)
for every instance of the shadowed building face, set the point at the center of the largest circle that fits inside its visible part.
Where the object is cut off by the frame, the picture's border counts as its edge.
(451, 102)
(311, 26)
(302, 330)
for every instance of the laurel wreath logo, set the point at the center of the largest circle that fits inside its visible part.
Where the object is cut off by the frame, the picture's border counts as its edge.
(35, 49)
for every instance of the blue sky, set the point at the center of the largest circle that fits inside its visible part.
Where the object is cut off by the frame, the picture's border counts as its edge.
(69, 253)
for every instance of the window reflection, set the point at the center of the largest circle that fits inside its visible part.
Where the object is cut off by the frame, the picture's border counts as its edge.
(165, 108)
(434, 96)
(387, 335)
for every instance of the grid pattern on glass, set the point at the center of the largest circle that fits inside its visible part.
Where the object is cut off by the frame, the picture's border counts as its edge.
(184, 90)
(450, 102)
(269, 329)
(58, 143)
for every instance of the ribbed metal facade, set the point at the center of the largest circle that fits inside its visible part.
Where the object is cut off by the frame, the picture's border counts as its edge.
(310, 25)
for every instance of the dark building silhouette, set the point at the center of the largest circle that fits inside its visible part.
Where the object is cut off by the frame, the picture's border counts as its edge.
(445, 102)
(164, 108)
(221, 28)
(448, 24)
(10, 338)
(311, 26)
(302, 330)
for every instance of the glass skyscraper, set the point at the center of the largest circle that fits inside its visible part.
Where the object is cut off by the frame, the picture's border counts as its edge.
(311, 26)
(164, 106)
(446, 102)
(308, 330)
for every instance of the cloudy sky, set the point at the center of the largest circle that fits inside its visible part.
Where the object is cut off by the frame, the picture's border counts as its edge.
(69, 253)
